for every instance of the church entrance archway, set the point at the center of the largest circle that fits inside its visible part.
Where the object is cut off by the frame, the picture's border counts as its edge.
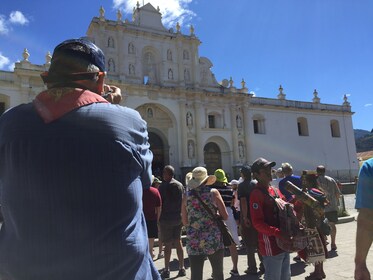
(158, 149)
(212, 157)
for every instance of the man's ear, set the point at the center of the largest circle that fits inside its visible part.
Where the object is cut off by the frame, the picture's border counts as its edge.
(100, 82)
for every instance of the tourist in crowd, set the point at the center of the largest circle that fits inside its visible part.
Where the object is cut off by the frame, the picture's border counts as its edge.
(171, 192)
(156, 183)
(73, 168)
(226, 192)
(364, 232)
(317, 252)
(152, 204)
(204, 239)
(329, 185)
(265, 220)
(248, 233)
(287, 169)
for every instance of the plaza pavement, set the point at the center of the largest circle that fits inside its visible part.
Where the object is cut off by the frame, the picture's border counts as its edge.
(339, 265)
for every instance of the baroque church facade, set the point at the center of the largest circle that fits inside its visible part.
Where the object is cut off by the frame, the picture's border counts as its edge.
(193, 120)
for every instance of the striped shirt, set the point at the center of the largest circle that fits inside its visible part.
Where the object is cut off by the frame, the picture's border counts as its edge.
(226, 193)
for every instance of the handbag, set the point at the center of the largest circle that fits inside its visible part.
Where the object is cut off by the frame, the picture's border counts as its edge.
(325, 227)
(227, 236)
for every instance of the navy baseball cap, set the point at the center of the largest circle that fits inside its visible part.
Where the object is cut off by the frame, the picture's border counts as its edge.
(65, 64)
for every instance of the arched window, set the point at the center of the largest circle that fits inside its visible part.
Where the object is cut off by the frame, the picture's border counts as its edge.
(334, 127)
(185, 55)
(110, 42)
(302, 126)
(131, 48)
(111, 65)
(259, 124)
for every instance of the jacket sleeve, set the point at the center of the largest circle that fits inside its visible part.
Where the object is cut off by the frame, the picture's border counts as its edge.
(257, 212)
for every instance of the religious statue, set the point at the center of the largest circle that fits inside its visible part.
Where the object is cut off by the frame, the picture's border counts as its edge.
(241, 153)
(189, 119)
(238, 122)
(190, 149)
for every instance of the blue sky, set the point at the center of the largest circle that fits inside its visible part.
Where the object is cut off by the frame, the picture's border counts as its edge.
(303, 45)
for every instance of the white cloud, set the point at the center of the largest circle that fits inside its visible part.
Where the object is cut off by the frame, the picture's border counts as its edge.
(3, 26)
(3, 61)
(16, 17)
(367, 105)
(172, 10)
(253, 93)
(11, 66)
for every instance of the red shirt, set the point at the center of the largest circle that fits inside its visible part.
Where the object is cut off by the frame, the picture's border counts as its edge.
(151, 199)
(265, 220)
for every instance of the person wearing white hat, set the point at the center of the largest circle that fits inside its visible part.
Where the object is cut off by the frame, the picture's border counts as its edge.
(204, 238)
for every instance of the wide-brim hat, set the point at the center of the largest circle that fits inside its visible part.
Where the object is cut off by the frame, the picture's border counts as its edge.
(261, 163)
(198, 177)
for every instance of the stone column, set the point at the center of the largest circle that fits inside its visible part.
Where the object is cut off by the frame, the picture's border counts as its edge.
(234, 134)
(246, 126)
(183, 132)
(199, 144)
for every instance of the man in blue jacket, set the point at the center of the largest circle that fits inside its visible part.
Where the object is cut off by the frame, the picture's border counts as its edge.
(72, 169)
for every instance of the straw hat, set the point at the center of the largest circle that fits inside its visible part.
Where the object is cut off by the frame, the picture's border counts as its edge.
(198, 177)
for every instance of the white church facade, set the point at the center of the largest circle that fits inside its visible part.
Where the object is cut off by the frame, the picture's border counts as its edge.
(194, 120)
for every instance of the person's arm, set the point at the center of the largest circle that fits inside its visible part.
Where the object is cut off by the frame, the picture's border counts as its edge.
(364, 239)
(218, 200)
(184, 214)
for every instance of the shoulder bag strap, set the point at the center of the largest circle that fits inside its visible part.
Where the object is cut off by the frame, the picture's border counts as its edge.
(208, 209)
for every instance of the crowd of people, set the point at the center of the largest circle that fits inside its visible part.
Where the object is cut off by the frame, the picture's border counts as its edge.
(61, 153)
(248, 207)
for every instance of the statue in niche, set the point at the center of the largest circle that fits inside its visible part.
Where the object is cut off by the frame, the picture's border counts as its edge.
(150, 113)
(110, 42)
(170, 74)
(189, 119)
(169, 54)
(241, 152)
(131, 69)
(111, 65)
(186, 75)
(131, 48)
(238, 122)
(151, 77)
(190, 149)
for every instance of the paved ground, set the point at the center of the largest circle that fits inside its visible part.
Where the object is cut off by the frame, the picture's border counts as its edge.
(339, 266)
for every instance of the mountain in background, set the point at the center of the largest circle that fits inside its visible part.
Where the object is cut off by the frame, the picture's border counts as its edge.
(363, 140)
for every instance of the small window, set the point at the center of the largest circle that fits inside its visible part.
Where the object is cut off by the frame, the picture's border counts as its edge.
(259, 124)
(334, 127)
(211, 119)
(169, 55)
(302, 126)
(111, 65)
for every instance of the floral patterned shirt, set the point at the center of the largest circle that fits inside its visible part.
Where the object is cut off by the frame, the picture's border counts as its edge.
(203, 235)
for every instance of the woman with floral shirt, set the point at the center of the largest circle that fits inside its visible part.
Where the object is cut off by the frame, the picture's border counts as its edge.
(204, 238)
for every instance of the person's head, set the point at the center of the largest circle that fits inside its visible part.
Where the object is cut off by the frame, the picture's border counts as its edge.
(246, 172)
(220, 176)
(287, 169)
(234, 184)
(168, 173)
(261, 169)
(76, 62)
(279, 173)
(320, 170)
(199, 177)
(155, 182)
(309, 179)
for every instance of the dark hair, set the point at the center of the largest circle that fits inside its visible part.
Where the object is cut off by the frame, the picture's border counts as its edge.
(246, 172)
(169, 169)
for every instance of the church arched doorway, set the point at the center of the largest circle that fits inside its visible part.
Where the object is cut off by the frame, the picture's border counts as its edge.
(212, 157)
(157, 148)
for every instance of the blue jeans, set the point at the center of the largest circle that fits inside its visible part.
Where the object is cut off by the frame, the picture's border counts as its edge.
(277, 267)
